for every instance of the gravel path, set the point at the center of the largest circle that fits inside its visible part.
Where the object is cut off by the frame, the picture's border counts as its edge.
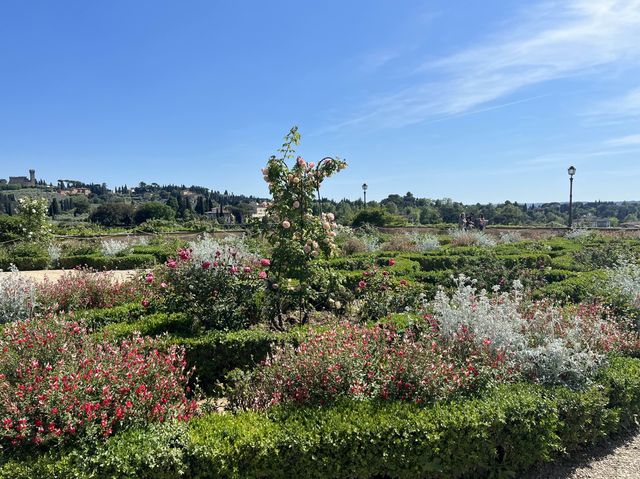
(617, 458)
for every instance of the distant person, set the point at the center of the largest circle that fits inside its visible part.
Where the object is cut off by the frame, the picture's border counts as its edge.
(471, 222)
(462, 222)
(482, 223)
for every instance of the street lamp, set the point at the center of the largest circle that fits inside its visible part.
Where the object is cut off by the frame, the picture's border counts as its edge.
(571, 171)
(364, 190)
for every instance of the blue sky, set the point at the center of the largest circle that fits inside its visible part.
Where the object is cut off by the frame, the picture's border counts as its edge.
(475, 101)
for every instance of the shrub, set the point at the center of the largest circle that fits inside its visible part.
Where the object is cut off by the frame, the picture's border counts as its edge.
(471, 238)
(549, 345)
(380, 294)
(510, 237)
(501, 434)
(130, 261)
(113, 247)
(58, 384)
(17, 297)
(369, 363)
(153, 210)
(218, 294)
(424, 242)
(85, 289)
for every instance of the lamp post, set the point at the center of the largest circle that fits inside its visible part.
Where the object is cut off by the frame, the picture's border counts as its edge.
(364, 191)
(571, 171)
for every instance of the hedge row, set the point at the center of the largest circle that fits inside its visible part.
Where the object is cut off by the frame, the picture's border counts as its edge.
(214, 354)
(96, 261)
(503, 433)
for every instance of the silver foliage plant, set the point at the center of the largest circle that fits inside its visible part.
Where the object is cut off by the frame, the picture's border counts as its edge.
(471, 238)
(113, 247)
(230, 250)
(424, 241)
(536, 347)
(624, 280)
(17, 297)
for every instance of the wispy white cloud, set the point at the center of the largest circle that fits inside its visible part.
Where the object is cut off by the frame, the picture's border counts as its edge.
(623, 107)
(625, 140)
(553, 41)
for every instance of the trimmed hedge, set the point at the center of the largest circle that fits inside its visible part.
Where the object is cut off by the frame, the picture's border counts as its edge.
(24, 263)
(96, 261)
(214, 354)
(505, 432)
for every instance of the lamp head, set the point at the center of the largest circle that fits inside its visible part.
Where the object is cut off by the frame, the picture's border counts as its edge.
(364, 187)
(571, 170)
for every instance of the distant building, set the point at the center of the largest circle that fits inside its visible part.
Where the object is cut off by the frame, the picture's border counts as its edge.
(23, 180)
(591, 221)
(260, 210)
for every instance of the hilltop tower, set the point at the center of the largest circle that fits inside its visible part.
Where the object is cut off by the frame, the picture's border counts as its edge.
(32, 177)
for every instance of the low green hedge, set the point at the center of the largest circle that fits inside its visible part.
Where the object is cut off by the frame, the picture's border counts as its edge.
(577, 288)
(25, 263)
(501, 434)
(214, 354)
(96, 261)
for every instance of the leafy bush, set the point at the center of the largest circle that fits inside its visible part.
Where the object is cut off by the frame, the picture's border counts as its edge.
(218, 294)
(380, 294)
(369, 363)
(471, 238)
(130, 261)
(549, 345)
(17, 297)
(503, 433)
(85, 289)
(58, 384)
(424, 242)
(113, 247)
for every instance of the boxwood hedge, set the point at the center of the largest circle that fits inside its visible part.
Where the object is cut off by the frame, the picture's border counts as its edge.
(503, 433)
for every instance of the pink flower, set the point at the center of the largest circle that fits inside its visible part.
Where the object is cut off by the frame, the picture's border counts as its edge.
(311, 164)
(163, 285)
(146, 303)
(206, 264)
(265, 262)
(362, 284)
(301, 161)
(286, 225)
(233, 269)
(262, 274)
(296, 204)
(172, 263)
(247, 269)
(185, 254)
(149, 278)
(392, 261)
(403, 282)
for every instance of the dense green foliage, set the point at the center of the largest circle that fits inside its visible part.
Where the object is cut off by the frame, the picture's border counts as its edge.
(504, 432)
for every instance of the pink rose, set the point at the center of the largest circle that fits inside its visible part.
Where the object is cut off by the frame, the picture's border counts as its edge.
(247, 269)
(184, 254)
(286, 225)
(392, 261)
(233, 269)
(146, 303)
(403, 282)
(362, 284)
(163, 285)
(301, 161)
(206, 264)
(149, 278)
(265, 262)
(262, 275)
(172, 263)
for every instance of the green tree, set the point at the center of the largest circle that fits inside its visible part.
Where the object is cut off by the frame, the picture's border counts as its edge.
(153, 210)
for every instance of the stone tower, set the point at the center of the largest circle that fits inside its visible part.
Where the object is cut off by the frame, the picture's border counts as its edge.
(32, 177)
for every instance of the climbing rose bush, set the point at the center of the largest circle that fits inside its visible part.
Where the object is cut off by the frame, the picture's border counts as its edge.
(296, 235)
(32, 215)
(59, 384)
(376, 362)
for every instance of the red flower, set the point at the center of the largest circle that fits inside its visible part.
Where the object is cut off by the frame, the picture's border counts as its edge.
(362, 284)
(206, 264)
(392, 261)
